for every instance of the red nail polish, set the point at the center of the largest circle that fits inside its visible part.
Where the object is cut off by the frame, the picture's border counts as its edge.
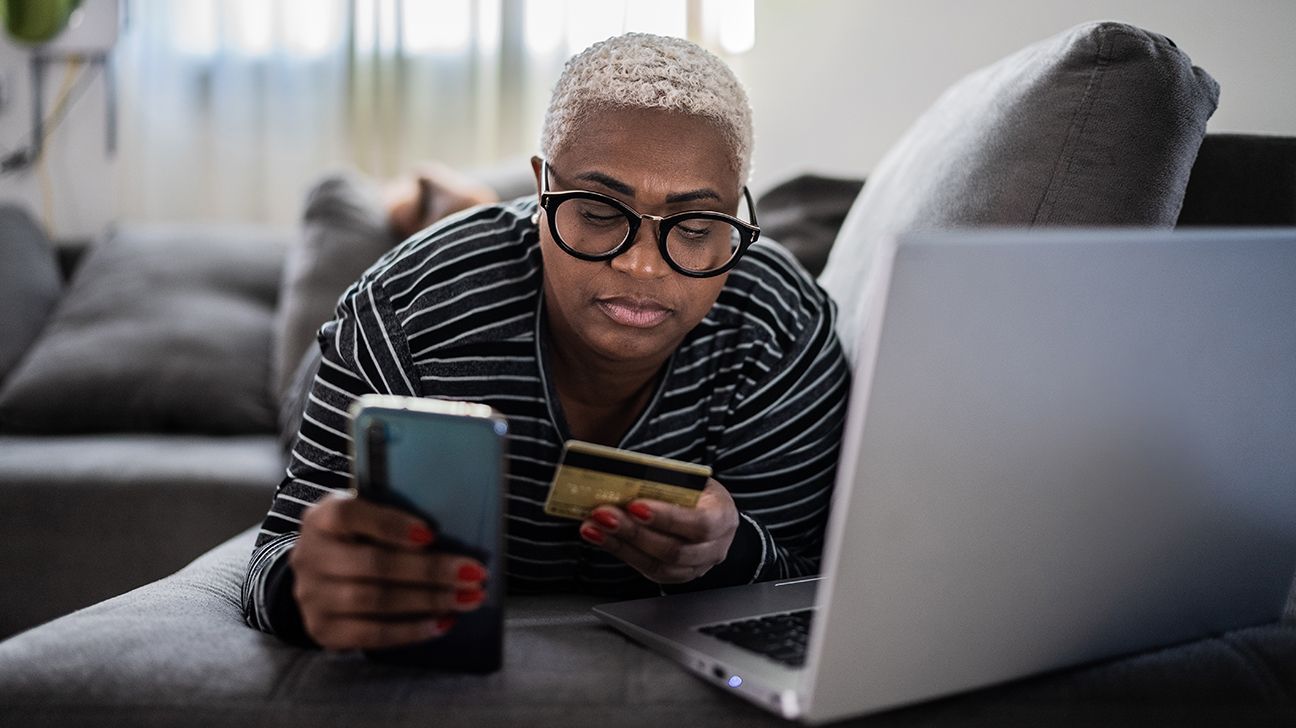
(469, 596)
(445, 623)
(591, 534)
(471, 572)
(640, 511)
(420, 535)
(605, 519)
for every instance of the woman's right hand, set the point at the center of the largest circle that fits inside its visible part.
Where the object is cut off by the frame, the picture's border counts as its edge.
(365, 579)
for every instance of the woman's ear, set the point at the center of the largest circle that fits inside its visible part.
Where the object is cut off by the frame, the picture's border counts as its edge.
(536, 164)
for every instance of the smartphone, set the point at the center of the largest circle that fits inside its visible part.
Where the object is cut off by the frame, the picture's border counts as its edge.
(444, 462)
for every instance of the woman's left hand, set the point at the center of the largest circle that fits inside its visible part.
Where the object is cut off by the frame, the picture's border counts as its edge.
(667, 543)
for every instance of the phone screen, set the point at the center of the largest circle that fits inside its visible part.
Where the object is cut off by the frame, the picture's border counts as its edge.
(446, 468)
(444, 462)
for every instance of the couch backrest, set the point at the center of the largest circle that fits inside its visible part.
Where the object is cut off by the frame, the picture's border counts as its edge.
(1242, 179)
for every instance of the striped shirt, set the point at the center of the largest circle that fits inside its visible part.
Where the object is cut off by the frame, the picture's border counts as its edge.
(756, 391)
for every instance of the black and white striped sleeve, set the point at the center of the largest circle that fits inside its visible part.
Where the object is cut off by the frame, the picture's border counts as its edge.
(780, 447)
(363, 351)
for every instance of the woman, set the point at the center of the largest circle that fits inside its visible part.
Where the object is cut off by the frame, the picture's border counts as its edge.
(627, 304)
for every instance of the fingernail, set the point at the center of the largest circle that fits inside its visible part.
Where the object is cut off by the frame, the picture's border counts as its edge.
(420, 535)
(606, 520)
(444, 624)
(471, 572)
(640, 511)
(589, 533)
(469, 596)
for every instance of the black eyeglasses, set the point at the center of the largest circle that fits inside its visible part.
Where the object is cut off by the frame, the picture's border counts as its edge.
(592, 226)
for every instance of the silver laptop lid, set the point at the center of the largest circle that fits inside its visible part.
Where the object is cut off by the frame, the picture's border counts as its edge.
(1062, 446)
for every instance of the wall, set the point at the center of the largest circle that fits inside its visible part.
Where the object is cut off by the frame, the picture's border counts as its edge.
(833, 83)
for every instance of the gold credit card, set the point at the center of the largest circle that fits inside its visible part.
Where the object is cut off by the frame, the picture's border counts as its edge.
(592, 475)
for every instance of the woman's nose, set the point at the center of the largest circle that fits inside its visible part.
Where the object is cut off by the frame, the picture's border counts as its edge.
(643, 260)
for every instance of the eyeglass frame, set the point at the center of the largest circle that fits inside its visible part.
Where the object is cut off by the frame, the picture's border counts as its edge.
(549, 201)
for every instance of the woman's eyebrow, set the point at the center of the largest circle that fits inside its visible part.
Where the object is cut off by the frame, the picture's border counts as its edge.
(703, 194)
(617, 185)
(611, 183)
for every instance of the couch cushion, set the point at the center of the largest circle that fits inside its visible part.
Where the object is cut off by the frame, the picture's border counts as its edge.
(1242, 179)
(89, 517)
(162, 329)
(343, 231)
(1098, 125)
(29, 284)
(804, 215)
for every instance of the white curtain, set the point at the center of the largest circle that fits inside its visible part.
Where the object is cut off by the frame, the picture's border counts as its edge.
(231, 108)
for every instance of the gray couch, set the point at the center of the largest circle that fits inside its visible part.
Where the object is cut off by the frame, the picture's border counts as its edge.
(133, 439)
(177, 653)
(107, 483)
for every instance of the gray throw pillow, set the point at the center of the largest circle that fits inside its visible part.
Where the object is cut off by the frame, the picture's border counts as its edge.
(163, 329)
(1098, 125)
(343, 231)
(804, 214)
(292, 405)
(30, 284)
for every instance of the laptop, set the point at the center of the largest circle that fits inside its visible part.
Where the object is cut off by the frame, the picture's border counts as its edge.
(1061, 446)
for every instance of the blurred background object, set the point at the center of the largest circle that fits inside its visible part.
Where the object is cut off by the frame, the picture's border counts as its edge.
(37, 21)
(231, 109)
(78, 37)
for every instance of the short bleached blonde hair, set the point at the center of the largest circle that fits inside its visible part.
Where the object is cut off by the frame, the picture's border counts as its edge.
(644, 71)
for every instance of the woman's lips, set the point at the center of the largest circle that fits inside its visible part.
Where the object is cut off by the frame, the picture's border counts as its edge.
(639, 313)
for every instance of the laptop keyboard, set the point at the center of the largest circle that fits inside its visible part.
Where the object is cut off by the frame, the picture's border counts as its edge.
(781, 637)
